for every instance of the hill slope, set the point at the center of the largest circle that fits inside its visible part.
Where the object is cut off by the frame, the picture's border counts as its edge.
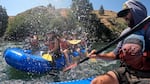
(110, 20)
(42, 19)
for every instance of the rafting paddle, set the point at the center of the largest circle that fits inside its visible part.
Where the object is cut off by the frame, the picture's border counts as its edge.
(134, 29)
(47, 57)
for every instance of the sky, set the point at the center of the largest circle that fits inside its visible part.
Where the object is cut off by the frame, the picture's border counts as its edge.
(13, 7)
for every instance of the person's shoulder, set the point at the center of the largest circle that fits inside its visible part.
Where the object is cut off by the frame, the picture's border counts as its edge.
(148, 32)
(125, 30)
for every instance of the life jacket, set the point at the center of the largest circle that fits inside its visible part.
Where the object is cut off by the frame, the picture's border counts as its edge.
(146, 54)
(64, 45)
(57, 53)
(139, 62)
(147, 40)
(83, 43)
(34, 42)
(51, 44)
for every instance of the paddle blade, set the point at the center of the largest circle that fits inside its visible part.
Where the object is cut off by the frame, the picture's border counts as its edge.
(70, 67)
(93, 60)
(47, 57)
(74, 41)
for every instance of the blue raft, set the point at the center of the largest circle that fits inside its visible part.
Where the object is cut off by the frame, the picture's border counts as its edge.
(25, 61)
(82, 81)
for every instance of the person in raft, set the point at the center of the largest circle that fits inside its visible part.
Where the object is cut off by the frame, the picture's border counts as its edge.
(32, 42)
(133, 51)
(52, 42)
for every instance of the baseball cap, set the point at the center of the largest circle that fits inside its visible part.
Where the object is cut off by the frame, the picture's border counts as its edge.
(124, 11)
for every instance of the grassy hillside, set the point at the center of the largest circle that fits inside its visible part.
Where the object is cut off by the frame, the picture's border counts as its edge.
(110, 20)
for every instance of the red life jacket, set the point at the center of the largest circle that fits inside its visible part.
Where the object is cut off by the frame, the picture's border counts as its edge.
(64, 45)
(34, 42)
(139, 62)
(51, 45)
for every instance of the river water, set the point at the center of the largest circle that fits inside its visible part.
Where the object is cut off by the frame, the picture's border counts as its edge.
(9, 75)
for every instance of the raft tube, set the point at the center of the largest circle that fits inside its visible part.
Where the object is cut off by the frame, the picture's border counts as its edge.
(25, 61)
(81, 81)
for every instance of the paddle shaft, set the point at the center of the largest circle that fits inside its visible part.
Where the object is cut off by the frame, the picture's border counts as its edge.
(134, 29)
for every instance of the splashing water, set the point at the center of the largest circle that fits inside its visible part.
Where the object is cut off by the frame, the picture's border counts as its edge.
(84, 70)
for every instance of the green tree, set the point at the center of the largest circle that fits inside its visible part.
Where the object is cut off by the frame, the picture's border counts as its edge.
(30, 21)
(3, 20)
(16, 28)
(101, 10)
